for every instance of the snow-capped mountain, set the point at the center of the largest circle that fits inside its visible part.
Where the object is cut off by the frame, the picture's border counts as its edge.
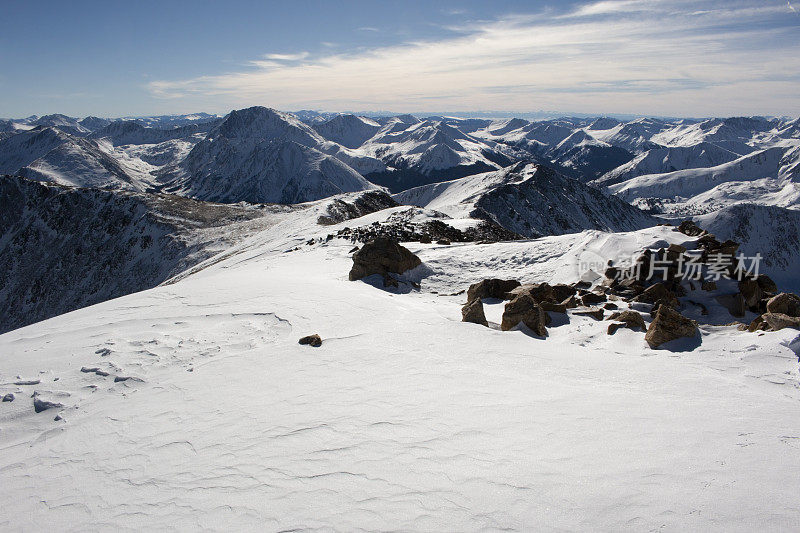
(773, 232)
(530, 200)
(663, 160)
(741, 135)
(263, 156)
(80, 162)
(62, 122)
(348, 130)
(63, 248)
(426, 152)
(767, 176)
(25, 147)
(124, 132)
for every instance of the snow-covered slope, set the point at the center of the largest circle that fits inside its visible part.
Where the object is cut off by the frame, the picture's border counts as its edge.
(529, 200)
(27, 146)
(773, 232)
(426, 152)
(63, 248)
(192, 406)
(663, 160)
(348, 130)
(62, 122)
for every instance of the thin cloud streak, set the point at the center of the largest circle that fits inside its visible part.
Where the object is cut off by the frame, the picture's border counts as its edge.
(591, 59)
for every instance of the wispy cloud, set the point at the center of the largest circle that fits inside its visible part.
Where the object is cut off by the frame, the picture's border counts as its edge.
(655, 56)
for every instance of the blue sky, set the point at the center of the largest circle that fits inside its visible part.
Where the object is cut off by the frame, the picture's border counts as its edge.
(658, 57)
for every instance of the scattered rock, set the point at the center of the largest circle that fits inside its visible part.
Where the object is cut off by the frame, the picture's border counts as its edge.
(119, 379)
(610, 306)
(757, 324)
(778, 321)
(492, 288)
(562, 291)
(553, 307)
(785, 303)
(28, 382)
(382, 256)
(688, 227)
(592, 298)
(734, 303)
(473, 312)
(709, 286)
(766, 284)
(594, 312)
(444, 242)
(669, 325)
(541, 292)
(40, 405)
(311, 340)
(631, 320)
(9, 397)
(524, 309)
(751, 292)
(653, 293)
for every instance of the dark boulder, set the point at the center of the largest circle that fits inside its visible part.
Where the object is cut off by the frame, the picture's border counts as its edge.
(778, 321)
(311, 340)
(382, 256)
(473, 312)
(785, 303)
(524, 309)
(491, 288)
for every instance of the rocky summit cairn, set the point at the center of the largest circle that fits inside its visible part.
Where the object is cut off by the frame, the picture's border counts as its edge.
(382, 256)
(524, 309)
(669, 325)
(311, 340)
(473, 312)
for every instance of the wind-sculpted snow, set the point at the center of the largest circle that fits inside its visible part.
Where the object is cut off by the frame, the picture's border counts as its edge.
(63, 248)
(529, 200)
(192, 406)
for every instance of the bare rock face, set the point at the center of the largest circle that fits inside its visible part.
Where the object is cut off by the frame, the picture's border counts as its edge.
(785, 303)
(626, 319)
(491, 288)
(524, 309)
(311, 340)
(669, 325)
(382, 256)
(473, 312)
(778, 321)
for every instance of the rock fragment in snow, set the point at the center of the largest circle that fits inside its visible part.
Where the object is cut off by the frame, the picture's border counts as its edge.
(9, 397)
(473, 312)
(40, 405)
(311, 340)
(593, 312)
(524, 309)
(669, 325)
(626, 319)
